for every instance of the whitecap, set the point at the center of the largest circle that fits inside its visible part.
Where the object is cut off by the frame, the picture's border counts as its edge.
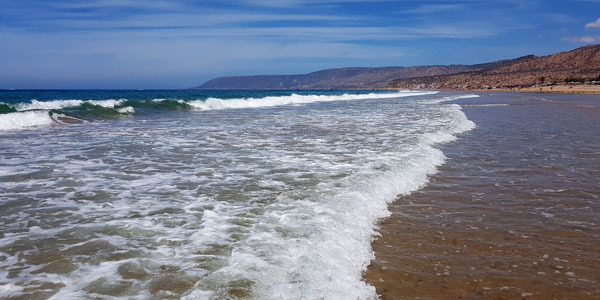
(22, 120)
(294, 99)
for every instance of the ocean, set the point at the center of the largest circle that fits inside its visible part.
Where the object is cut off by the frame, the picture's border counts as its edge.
(208, 195)
(299, 195)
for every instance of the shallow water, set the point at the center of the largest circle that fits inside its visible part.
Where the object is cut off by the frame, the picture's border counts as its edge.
(514, 213)
(266, 197)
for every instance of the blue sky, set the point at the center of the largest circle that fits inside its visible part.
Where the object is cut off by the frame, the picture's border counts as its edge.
(179, 44)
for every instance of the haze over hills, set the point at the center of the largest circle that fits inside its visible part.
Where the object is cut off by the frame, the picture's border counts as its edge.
(582, 63)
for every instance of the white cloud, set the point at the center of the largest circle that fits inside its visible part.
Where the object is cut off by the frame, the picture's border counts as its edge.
(595, 24)
(584, 39)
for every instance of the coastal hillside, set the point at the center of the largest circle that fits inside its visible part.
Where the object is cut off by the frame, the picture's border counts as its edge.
(576, 66)
(345, 78)
(579, 65)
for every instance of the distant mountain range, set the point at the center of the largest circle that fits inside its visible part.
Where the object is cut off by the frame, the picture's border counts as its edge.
(579, 64)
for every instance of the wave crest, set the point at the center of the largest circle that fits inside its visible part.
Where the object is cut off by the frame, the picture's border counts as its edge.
(60, 104)
(39, 113)
(22, 120)
(294, 99)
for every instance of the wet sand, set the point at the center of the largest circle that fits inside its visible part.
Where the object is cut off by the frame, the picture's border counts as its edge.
(556, 89)
(513, 214)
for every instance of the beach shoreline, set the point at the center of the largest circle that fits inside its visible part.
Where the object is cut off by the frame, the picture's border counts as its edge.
(510, 215)
(551, 89)
(556, 89)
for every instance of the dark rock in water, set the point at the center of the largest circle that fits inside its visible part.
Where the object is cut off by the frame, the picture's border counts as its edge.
(68, 120)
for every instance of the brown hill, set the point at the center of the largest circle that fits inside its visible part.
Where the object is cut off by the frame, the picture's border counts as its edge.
(344, 78)
(582, 64)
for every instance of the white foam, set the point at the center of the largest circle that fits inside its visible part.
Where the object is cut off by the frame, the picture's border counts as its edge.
(22, 120)
(326, 245)
(37, 113)
(486, 105)
(58, 104)
(316, 186)
(547, 215)
(111, 103)
(218, 104)
(329, 247)
(126, 110)
(8, 289)
(456, 97)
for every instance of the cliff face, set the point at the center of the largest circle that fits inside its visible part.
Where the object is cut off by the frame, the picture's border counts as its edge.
(581, 63)
(346, 78)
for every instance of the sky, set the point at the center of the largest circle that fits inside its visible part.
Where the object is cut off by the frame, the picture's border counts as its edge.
(162, 44)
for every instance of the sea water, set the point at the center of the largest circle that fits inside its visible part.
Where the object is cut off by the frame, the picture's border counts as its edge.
(207, 195)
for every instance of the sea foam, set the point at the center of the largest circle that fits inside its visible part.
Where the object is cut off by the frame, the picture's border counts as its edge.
(327, 247)
(294, 99)
(274, 207)
(38, 111)
(59, 104)
(22, 120)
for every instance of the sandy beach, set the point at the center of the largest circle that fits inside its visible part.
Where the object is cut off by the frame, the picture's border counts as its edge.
(556, 89)
(513, 214)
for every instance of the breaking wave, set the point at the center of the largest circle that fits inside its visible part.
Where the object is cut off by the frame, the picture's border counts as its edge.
(36, 113)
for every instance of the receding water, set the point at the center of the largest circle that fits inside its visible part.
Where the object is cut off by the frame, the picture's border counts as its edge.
(514, 213)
